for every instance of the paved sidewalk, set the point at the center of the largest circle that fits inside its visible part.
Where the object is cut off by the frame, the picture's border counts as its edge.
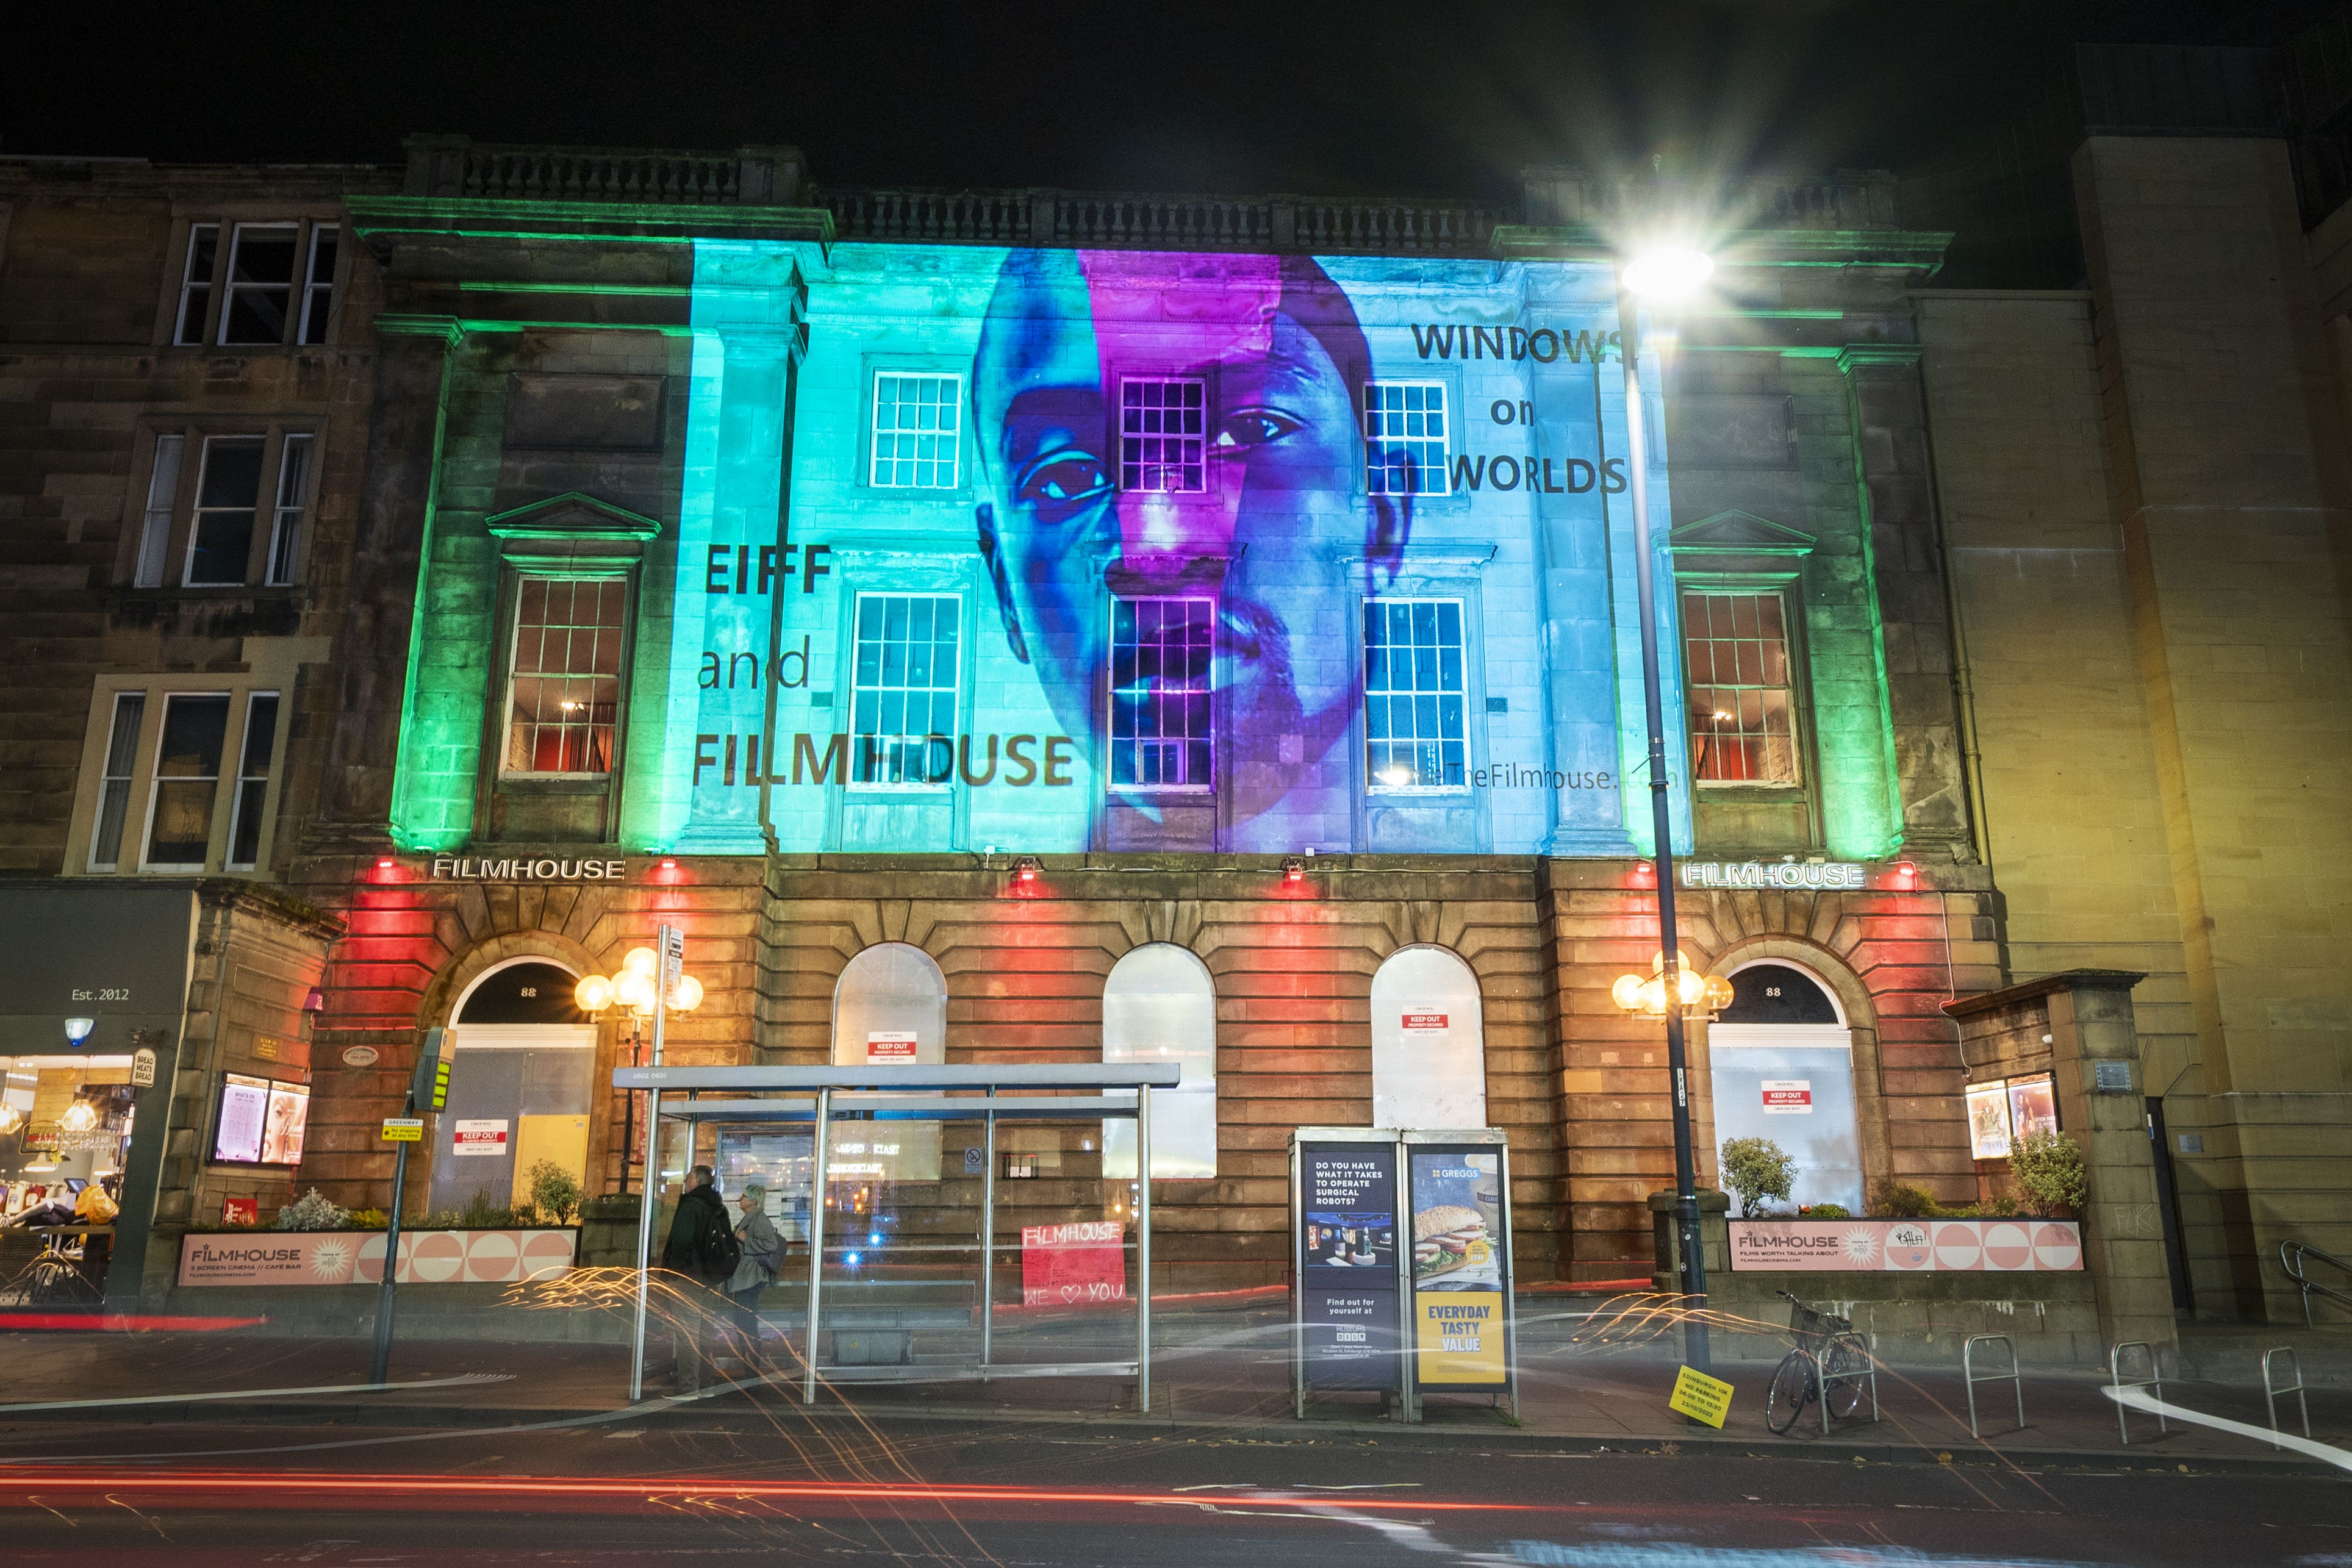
(1220, 1375)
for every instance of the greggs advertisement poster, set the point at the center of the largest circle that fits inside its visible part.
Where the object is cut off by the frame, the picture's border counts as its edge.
(1460, 1269)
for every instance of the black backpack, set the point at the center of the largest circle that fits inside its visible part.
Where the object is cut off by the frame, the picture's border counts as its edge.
(715, 1246)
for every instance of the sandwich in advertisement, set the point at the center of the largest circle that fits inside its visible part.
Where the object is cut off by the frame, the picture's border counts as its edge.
(1447, 1238)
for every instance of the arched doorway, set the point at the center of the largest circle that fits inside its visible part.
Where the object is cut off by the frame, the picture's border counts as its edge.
(521, 1078)
(1782, 1062)
(1160, 1005)
(1429, 1041)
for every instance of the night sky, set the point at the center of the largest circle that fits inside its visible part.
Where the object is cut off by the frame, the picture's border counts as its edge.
(1368, 99)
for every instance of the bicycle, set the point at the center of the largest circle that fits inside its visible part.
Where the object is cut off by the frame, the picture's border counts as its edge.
(1829, 1364)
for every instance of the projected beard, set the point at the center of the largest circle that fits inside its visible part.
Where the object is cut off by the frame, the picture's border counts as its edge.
(1278, 345)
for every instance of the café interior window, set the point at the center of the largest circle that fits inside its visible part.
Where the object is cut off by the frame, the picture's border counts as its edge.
(564, 692)
(1735, 654)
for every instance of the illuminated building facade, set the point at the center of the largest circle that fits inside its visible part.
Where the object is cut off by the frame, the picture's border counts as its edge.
(1039, 625)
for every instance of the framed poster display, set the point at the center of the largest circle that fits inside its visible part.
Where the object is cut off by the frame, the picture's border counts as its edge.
(1458, 1186)
(1345, 1261)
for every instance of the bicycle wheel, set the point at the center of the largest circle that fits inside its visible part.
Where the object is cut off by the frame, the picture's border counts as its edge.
(1793, 1389)
(1843, 1371)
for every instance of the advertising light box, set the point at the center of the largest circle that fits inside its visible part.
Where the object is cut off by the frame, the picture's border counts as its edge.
(1137, 549)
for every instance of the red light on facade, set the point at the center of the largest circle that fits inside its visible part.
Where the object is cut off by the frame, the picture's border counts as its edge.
(1906, 874)
(669, 866)
(1294, 873)
(1644, 875)
(385, 864)
(1025, 872)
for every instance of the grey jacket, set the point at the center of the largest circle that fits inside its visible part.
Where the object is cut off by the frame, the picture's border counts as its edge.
(762, 1247)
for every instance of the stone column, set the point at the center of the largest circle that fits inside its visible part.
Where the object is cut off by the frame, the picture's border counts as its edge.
(2077, 1026)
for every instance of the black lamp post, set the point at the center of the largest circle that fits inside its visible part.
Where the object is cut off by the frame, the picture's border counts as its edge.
(1663, 274)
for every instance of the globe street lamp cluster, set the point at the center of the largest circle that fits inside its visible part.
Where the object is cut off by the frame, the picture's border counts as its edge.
(634, 985)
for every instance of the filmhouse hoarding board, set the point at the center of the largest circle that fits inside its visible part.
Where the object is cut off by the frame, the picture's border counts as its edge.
(1401, 1246)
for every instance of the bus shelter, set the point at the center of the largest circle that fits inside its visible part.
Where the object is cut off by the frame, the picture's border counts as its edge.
(900, 1161)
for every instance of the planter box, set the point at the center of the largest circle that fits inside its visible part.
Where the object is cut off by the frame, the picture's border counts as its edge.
(356, 1257)
(2020, 1246)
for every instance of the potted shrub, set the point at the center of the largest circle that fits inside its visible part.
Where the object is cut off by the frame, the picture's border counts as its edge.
(1757, 1168)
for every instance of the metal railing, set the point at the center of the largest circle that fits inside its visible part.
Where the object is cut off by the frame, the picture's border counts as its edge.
(2014, 1375)
(2155, 1379)
(2295, 1258)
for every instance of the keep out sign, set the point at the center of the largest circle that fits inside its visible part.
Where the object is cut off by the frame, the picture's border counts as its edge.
(1425, 1020)
(1787, 1096)
(1073, 1265)
(891, 1045)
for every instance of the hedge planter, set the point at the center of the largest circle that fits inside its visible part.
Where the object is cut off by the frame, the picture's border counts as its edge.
(494, 1257)
(2023, 1246)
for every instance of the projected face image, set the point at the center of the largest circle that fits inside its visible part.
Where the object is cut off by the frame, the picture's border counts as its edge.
(1180, 426)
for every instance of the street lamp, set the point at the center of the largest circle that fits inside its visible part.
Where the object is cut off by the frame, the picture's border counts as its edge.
(1661, 273)
(632, 986)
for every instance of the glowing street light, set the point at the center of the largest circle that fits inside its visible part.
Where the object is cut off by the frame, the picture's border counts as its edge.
(1661, 273)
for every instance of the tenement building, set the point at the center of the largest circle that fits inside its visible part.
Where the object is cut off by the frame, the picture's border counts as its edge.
(1043, 626)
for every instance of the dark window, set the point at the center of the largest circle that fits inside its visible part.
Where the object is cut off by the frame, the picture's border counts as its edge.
(196, 283)
(220, 545)
(253, 780)
(524, 993)
(1774, 993)
(260, 282)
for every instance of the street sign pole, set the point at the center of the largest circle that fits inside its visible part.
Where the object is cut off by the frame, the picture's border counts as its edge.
(671, 946)
(427, 1086)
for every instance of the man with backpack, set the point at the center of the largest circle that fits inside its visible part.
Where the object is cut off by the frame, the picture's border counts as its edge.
(702, 1250)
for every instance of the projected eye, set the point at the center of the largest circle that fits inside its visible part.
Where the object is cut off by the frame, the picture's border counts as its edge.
(1064, 477)
(1256, 428)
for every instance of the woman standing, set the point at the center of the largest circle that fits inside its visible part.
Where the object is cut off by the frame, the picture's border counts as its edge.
(757, 1267)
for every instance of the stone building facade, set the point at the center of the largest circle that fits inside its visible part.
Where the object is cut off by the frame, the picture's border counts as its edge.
(2054, 631)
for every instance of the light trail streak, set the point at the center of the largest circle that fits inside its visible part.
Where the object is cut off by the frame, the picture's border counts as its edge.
(210, 1487)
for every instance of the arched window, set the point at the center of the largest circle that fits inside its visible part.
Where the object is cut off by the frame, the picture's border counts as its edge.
(890, 1006)
(1429, 1041)
(1160, 1005)
(521, 1077)
(1782, 1068)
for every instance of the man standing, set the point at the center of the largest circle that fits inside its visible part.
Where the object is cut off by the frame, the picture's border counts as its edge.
(703, 1252)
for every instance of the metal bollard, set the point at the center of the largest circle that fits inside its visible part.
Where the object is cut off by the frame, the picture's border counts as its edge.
(2015, 1375)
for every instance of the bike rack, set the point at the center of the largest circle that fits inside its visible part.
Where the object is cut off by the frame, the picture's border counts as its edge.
(2272, 1394)
(1869, 1343)
(2155, 1379)
(2015, 1376)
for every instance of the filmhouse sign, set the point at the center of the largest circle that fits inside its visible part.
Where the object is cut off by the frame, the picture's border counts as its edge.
(523, 868)
(1816, 876)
